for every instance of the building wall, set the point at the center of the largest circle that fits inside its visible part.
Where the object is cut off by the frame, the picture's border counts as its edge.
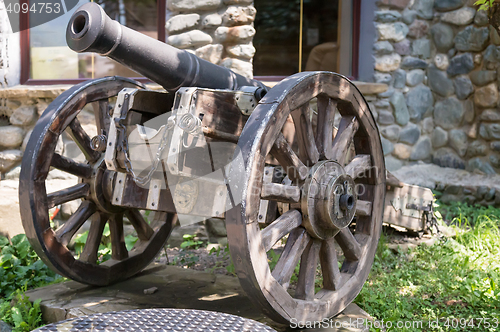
(220, 31)
(10, 60)
(441, 60)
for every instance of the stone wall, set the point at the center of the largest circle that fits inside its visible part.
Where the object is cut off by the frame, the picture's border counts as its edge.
(441, 60)
(220, 31)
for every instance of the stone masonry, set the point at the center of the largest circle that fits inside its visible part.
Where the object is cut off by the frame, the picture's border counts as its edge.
(441, 61)
(219, 31)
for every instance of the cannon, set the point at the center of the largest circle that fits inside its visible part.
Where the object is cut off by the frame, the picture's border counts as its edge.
(298, 168)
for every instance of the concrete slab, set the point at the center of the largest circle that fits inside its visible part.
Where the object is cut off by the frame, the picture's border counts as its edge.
(176, 288)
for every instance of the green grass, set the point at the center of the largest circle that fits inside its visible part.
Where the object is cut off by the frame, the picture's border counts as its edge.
(455, 282)
(20, 270)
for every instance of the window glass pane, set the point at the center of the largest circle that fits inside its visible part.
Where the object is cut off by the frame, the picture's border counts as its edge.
(52, 59)
(277, 38)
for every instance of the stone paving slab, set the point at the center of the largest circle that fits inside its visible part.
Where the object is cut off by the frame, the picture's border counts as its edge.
(176, 288)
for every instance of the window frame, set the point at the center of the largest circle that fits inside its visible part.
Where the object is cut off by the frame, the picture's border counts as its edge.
(161, 6)
(161, 20)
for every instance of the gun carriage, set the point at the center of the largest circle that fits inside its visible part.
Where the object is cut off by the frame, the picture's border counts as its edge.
(214, 144)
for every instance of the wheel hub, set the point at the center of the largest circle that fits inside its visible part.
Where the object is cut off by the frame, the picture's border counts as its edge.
(101, 187)
(328, 200)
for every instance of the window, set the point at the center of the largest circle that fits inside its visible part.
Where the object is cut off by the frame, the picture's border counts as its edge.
(46, 57)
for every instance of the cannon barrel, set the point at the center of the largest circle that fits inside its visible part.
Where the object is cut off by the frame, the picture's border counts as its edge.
(91, 30)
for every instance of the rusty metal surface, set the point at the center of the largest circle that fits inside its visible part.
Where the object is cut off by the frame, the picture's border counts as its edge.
(158, 320)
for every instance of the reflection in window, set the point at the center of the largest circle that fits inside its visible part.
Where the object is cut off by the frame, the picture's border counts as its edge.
(52, 59)
(277, 38)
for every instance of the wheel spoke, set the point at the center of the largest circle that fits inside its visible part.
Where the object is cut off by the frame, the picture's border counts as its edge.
(83, 140)
(101, 116)
(307, 272)
(324, 132)
(332, 278)
(305, 136)
(280, 193)
(294, 247)
(282, 151)
(349, 245)
(347, 129)
(70, 166)
(280, 227)
(75, 222)
(363, 208)
(89, 252)
(358, 166)
(144, 231)
(118, 248)
(65, 195)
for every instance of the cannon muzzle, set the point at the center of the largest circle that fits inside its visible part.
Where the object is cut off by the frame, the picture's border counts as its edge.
(91, 30)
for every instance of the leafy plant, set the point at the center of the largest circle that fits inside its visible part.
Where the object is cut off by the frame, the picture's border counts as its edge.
(185, 258)
(484, 4)
(190, 242)
(225, 257)
(21, 313)
(20, 266)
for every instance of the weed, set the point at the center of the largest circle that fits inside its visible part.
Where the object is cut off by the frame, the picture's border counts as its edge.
(190, 242)
(225, 257)
(20, 312)
(185, 259)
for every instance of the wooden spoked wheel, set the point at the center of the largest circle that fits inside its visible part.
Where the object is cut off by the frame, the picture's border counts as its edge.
(92, 190)
(333, 191)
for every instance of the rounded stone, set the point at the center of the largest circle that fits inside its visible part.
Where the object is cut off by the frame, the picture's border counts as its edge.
(410, 63)
(424, 8)
(387, 16)
(458, 141)
(495, 146)
(8, 159)
(489, 131)
(448, 113)
(495, 160)
(409, 16)
(211, 21)
(193, 38)
(441, 61)
(421, 48)
(486, 96)
(415, 77)
(244, 51)
(11, 136)
(244, 68)
(491, 57)
(180, 23)
(439, 82)
(192, 5)
(478, 165)
(418, 29)
(403, 47)
(401, 114)
(382, 78)
(427, 125)
(399, 78)
(419, 101)
(237, 15)
(469, 111)
(446, 157)
(481, 18)
(439, 137)
(422, 149)
(387, 146)
(442, 35)
(472, 39)
(463, 87)
(402, 151)
(490, 115)
(392, 31)
(477, 148)
(387, 63)
(391, 132)
(392, 164)
(23, 116)
(211, 53)
(462, 16)
(461, 64)
(409, 134)
(483, 77)
(385, 117)
(383, 48)
(240, 34)
(447, 5)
